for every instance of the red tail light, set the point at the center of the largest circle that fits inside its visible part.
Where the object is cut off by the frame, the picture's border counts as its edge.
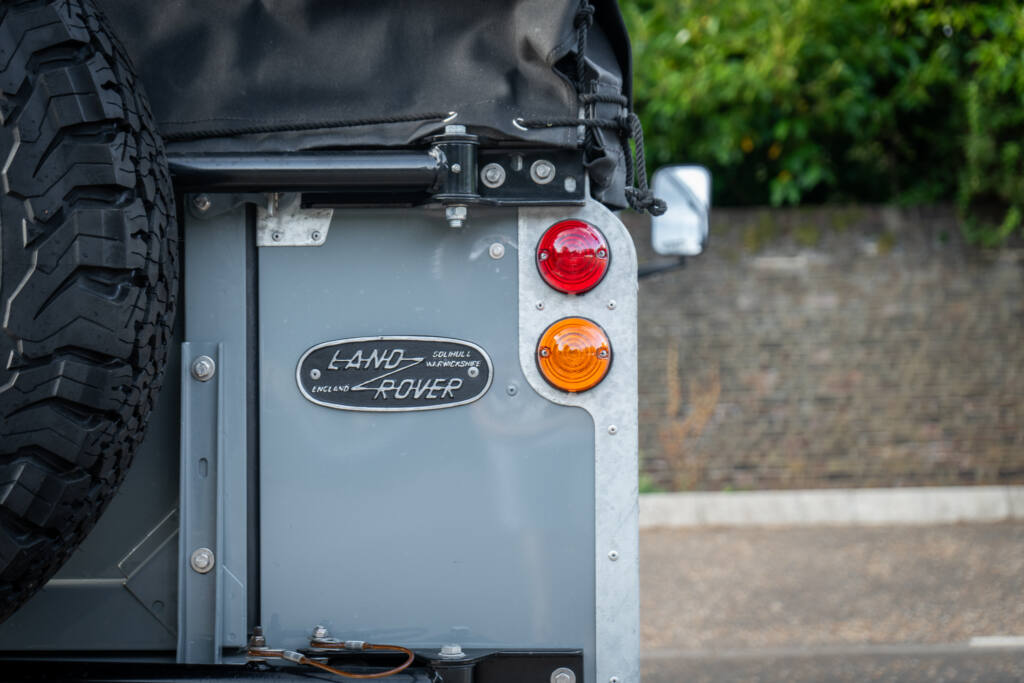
(573, 256)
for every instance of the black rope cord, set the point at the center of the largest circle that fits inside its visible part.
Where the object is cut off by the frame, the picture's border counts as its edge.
(627, 125)
(294, 126)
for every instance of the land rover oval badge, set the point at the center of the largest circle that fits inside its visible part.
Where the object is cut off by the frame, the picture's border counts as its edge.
(394, 373)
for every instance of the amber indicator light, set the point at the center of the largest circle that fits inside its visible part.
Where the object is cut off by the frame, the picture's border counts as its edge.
(574, 354)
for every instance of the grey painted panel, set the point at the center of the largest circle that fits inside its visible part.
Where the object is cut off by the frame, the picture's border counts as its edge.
(471, 524)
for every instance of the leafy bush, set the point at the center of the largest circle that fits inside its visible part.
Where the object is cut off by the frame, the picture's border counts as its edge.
(792, 101)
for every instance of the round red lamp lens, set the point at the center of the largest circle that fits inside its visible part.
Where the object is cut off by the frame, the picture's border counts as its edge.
(573, 256)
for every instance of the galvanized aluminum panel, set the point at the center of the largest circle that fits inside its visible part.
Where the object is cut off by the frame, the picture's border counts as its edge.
(612, 304)
(473, 524)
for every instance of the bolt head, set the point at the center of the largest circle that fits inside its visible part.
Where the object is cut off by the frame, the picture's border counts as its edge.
(202, 202)
(451, 652)
(202, 560)
(545, 352)
(203, 368)
(456, 168)
(277, 235)
(319, 632)
(493, 175)
(542, 171)
(496, 250)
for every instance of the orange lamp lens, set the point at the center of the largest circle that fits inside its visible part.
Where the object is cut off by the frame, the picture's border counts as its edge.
(574, 354)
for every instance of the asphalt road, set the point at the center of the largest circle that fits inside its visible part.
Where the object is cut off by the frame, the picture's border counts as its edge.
(832, 603)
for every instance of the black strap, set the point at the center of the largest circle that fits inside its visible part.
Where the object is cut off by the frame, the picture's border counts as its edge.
(627, 125)
(294, 126)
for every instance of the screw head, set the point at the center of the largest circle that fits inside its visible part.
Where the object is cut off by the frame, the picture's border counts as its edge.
(611, 305)
(202, 202)
(543, 255)
(277, 235)
(613, 430)
(613, 555)
(456, 168)
(511, 390)
(542, 171)
(473, 372)
(545, 352)
(319, 632)
(496, 250)
(314, 374)
(202, 560)
(315, 235)
(540, 305)
(454, 129)
(603, 353)
(204, 368)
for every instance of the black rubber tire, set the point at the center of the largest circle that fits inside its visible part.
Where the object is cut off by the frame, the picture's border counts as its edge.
(88, 278)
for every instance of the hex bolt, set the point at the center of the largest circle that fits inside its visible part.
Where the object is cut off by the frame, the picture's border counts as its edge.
(613, 430)
(456, 216)
(257, 639)
(203, 368)
(563, 675)
(456, 168)
(202, 560)
(453, 651)
(493, 175)
(454, 129)
(613, 555)
(277, 235)
(320, 632)
(496, 250)
(611, 305)
(542, 171)
(202, 202)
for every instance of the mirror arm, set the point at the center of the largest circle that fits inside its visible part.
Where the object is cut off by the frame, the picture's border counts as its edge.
(646, 270)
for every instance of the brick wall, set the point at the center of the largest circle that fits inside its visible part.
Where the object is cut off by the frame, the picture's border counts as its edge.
(832, 347)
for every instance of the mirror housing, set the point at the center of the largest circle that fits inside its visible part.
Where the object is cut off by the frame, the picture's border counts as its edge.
(683, 229)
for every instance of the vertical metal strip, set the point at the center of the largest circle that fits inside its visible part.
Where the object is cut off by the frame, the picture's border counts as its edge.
(613, 405)
(198, 636)
(215, 431)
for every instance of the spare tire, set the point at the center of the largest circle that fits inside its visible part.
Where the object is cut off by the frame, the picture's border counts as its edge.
(88, 277)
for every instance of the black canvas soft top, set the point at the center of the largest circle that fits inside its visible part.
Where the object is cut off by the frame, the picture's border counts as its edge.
(263, 75)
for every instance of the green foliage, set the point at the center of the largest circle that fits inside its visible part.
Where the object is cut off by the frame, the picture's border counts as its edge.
(791, 101)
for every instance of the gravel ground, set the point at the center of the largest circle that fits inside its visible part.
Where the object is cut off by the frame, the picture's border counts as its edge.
(708, 590)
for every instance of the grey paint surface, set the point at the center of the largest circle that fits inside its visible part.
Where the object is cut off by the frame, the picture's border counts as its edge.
(215, 318)
(472, 524)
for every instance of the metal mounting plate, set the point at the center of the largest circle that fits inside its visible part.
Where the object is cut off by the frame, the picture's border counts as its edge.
(284, 223)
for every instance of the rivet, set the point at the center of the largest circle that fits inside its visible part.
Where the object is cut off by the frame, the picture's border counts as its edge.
(473, 372)
(613, 430)
(613, 555)
(314, 373)
(612, 305)
(496, 250)
(456, 168)
(276, 235)
(511, 390)
(540, 305)
(315, 235)
(545, 352)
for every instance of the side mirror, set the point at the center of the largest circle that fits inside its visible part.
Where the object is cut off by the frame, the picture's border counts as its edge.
(683, 229)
